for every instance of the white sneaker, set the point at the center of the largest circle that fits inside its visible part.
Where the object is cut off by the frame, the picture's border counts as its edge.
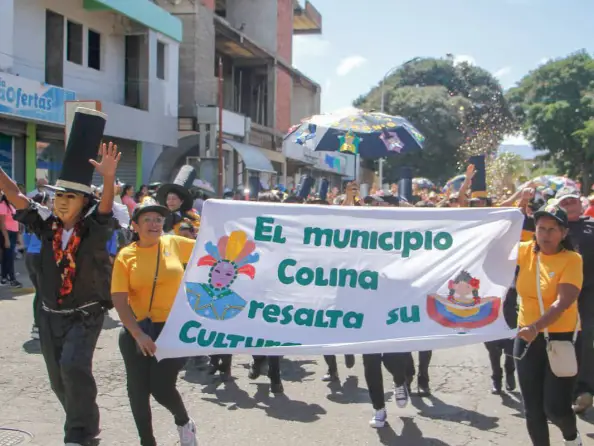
(379, 419)
(187, 434)
(401, 396)
(576, 442)
(35, 332)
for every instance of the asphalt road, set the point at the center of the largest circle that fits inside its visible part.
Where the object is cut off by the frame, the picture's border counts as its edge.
(461, 411)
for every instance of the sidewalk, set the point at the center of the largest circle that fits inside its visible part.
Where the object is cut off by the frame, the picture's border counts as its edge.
(23, 277)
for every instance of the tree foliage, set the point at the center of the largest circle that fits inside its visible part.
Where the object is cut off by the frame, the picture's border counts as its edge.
(555, 106)
(460, 109)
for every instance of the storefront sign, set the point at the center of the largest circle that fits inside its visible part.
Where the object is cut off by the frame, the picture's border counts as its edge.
(334, 279)
(327, 161)
(26, 98)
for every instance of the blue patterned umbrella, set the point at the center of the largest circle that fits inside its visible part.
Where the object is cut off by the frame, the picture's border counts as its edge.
(371, 135)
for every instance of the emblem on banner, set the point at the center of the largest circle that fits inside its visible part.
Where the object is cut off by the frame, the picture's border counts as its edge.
(233, 255)
(463, 308)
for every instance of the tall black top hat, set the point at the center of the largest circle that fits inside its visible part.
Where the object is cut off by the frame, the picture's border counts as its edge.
(83, 144)
(180, 186)
(479, 181)
(305, 186)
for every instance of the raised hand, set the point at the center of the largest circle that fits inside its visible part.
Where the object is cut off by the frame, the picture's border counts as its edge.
(470, 172)
(108, 160)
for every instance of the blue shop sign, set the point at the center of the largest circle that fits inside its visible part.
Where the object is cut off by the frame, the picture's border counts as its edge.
(29, 99)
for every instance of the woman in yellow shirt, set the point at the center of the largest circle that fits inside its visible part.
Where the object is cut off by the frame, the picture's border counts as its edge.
(145, 280)
(559, 268)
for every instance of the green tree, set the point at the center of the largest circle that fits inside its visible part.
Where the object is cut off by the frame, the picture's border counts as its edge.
(460, 109)
(555, 106)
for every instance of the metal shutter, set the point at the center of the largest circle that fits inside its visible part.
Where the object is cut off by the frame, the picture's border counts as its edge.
(127, 168)
(50, 134)
(12, 128)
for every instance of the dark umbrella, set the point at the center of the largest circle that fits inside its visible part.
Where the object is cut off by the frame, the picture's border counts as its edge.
(369, 134)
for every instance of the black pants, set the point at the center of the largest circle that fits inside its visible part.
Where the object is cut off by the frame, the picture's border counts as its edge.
(424, 361)
(546, 396)
(585, 345)
(372, 363)
(33, 264)
(221, 362)
(7, 265)
(68, 344)
(496, 349)
(145, 377)
(273, 366)
(332, 365)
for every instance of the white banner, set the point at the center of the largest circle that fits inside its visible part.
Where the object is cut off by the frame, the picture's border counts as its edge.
(300, 279)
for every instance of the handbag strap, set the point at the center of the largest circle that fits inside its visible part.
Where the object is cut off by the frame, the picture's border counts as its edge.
(541, 303)
(155, 279)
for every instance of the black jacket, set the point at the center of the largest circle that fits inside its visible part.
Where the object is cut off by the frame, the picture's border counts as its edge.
(92, 279)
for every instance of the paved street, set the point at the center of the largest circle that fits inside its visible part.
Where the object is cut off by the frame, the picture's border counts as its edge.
(462, 412)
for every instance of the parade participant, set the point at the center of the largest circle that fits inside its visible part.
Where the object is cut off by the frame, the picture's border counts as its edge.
(581, 233)
(73, 256)
(349, 360)
(423, 375)
(177, 198)
(10, 232)
(146, 277)
(372, 363)
(549, 281)
(259, 361)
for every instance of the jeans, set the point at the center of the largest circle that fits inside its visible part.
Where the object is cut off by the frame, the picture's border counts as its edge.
(424, 361)
(8, 257)
(145, 377)
(33, 264)
(372, 364)
(496, 349)
(68, 344)
(273, 367)
(546, 396)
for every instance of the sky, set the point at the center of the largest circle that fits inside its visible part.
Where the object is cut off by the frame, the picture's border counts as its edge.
(362, 40)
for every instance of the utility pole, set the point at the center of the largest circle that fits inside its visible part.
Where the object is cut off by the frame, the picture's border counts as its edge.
(220, 138)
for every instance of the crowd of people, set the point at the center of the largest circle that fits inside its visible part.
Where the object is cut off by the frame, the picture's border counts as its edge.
(84, 262)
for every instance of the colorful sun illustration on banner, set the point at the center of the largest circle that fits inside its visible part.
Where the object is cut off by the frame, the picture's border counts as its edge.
(233, 256)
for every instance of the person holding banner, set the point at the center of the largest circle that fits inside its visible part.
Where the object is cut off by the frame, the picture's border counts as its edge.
(256, 367)
(143, 306)
(549, 281)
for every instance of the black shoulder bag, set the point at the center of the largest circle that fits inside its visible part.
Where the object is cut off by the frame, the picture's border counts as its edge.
(147, 325)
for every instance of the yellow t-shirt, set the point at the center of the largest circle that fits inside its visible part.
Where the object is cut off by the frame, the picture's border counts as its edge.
(134, 270)
(564, 267)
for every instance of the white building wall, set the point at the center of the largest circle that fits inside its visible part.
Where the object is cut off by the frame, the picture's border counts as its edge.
(305, 103)
(158, 125)
(6, 34)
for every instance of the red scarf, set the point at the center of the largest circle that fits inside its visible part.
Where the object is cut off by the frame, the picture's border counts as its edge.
(65, 257)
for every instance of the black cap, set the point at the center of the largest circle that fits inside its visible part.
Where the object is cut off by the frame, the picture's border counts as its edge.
(149, 205)
(554, 211)
(567, 192)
